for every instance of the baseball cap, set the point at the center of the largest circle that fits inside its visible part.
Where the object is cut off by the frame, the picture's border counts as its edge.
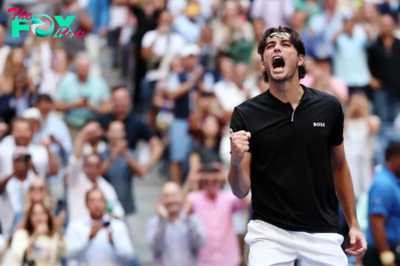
(32, 113)
(190, 49)
(209, 168)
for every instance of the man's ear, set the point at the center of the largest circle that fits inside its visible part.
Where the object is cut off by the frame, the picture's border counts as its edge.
(263, 65)
(301, 60)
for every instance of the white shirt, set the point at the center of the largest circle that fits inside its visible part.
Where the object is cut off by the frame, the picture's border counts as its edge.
(229, 95)
(40, 160)
(16, 191)
(164, 45)
(99, 250)
(40, 157)
(4, 51)
(79, 184)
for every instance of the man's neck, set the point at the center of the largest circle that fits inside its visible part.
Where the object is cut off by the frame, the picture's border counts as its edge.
(22, 178)
(174, 217)
(121, 116)
(287, 92)
(212, 197)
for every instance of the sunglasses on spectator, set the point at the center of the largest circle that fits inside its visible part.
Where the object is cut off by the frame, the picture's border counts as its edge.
(34, 188)
(91, 165)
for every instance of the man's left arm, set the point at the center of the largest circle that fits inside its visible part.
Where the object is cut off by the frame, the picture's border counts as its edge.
(344, 184)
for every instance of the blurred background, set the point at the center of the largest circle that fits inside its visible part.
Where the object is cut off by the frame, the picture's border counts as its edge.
(93, 129)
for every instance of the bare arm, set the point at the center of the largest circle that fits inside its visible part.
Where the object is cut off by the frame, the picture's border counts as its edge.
(53, 162)
(344, 186)
(379, 232)
(239, 177)
(135, 167)
(156, 151)
(3, 183)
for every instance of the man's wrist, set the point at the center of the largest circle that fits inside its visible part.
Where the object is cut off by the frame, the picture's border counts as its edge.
(354, 224)
(387, 257)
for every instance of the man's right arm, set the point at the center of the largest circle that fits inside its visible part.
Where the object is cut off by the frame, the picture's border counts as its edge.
(239, 172)
(239, 177)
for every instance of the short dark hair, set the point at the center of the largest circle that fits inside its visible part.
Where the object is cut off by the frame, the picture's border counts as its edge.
(44, 98)
(119, 87)
(295, 39)
(392, 150)
(92, 190)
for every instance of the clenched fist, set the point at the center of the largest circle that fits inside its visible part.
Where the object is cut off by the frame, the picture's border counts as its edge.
(239, 146)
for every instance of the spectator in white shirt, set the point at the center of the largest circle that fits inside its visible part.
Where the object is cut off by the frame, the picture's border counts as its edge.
(17, 184)
(43, 160)
(83, 174)
(100, 239)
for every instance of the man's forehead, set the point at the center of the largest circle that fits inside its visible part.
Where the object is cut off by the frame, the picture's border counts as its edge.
(279, 35)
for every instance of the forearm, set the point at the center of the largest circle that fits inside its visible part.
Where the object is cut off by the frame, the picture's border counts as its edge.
(175, 94)
(135, 167)
(53, 163)
(63, 107)
(158, 240)
(379, 234)
(3, 184)
(156, 151)
(85, 23)
(345, 192)
(106, 165)
(239, 181)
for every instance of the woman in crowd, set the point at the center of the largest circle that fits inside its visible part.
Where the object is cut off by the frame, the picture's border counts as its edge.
(37, 242)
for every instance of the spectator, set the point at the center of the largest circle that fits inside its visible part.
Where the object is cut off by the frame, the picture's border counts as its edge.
(350, 58)
(311, 7)
(135, 129)
(100, 239)
(384, 219)
(215, 208)
(52, 77)
(384, 63)
(4, 49)
(83, 174)
(234, 33)
(95, 144)
(208, 51)
(319, 76)
(14, 65)
(20, 99)
(360, 128)
(391, 8)
(157, 46)
(188, 24)
(17, 184)
(81, 96)
(273, 12)
(118, 168)
(174, 234)
(206, 150)
(83, 24)
(38, 242)
(180, 139)
(325, 26)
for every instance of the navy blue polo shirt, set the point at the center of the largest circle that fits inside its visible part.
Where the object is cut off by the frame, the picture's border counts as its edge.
(384, 199)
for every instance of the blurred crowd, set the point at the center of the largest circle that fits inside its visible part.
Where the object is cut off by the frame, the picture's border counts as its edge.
(73, 143)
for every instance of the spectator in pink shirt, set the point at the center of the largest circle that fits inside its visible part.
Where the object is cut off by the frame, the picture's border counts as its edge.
(319, 76)
(215, 207)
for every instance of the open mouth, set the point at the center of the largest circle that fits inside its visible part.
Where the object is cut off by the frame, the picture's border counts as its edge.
(278, 62)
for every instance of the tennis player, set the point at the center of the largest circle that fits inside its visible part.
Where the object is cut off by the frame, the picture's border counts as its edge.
(287, 146)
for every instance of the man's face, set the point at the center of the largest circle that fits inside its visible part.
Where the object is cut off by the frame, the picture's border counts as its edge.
(211, 183)
(20, 168)
(22, 133)
(348, 26)
(387, 25)
(92, 166)
(165, 19)
(191, 61)
(240, 72)
(280, 59)
(82, 68)
(116, 131)
(44, 107)
(172, 198)
(96, 204)
(121, 101)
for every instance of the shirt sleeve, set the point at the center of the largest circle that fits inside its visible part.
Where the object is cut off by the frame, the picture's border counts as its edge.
(237, 123)
(148, 39)
(62, 90)
(379, 201)
(336, 135)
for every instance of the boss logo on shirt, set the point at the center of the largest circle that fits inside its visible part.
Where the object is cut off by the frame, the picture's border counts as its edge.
(319, 124)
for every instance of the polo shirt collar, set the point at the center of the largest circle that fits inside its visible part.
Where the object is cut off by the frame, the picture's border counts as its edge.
(391, 175)
(275, 101)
